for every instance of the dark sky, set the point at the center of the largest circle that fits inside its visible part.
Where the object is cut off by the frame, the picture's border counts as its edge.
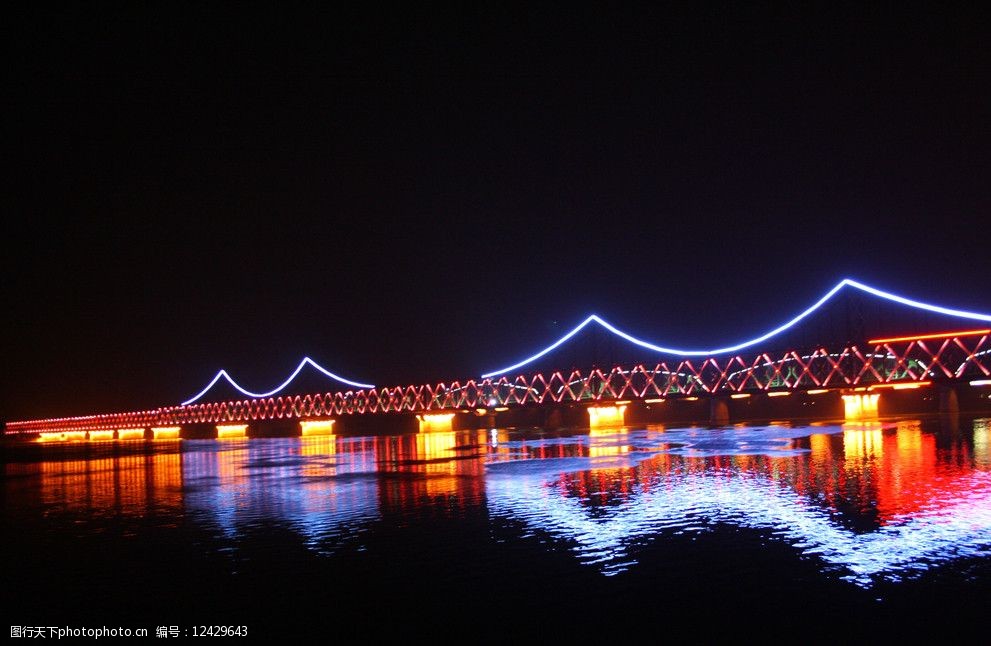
(411, 196)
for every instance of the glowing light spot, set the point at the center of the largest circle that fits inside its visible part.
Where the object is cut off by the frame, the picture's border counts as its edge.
(165, 432)
(739, 395)
(481, 411)
(817, 391)
(317, 427)
(230, 431)
(62, 436)
(101, 436)
(981, 382)
(656, 400)
(436, 422)
(500, 409)
(779, 393)
(606, 415)
(130, 434)
(690, 399)
(910, 386)
(860, 406)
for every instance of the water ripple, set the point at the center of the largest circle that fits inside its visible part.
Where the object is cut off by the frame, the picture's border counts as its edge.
(691, 496)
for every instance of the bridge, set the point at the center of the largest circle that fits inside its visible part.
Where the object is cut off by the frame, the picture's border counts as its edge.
(851, 376)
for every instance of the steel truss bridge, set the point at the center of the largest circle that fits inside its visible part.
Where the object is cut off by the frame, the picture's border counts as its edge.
(934, 359)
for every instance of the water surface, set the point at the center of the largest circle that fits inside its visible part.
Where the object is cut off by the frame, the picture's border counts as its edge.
(505, 532)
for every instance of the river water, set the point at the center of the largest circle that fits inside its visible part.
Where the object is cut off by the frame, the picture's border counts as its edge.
(784, 530)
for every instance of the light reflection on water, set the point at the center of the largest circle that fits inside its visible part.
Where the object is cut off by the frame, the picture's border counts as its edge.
(926, 512)
(321, 490)
(870, 501)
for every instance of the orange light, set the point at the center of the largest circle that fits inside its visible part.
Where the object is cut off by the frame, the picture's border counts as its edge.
(621, 402)
(500, 409)
(481, 411)
(658, 400)
(229, 431)
(606, 415)
(317, 427)
(165, 432)
(62, 436)
(779, 393)
(941, 335)
(690, 399)
(860, 406)
(739, 395)
(101, 436)
(817, 391)
(909, 386)
(130, 434)
(436, 422)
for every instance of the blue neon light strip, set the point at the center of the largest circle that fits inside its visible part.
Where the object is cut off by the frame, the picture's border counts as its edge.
(739, 346)
(306, 360)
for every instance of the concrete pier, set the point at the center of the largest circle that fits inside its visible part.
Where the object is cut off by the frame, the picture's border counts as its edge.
(719, 411)
(949, 401)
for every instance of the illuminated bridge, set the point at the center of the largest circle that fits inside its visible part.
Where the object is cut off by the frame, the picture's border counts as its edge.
(851, 376)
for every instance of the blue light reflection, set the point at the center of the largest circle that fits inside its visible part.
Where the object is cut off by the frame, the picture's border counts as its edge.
(690, 480)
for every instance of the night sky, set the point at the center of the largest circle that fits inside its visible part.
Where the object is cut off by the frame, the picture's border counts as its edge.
(407, 196)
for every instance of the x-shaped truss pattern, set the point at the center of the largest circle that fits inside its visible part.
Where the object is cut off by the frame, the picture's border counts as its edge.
(947, 360)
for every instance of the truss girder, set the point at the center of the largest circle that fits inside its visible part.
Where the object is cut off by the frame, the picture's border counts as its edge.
(945, 360)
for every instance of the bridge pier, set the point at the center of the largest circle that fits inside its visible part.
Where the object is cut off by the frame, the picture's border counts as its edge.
(719, 411)
(62, 436)
(949, 401)
(553, 418)
(486, 419)
(436, 422)
(858, 406)
(600, 416)
(167, 432)
(131, 433)
(231, 431)
(310, 427)
(285, 427)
